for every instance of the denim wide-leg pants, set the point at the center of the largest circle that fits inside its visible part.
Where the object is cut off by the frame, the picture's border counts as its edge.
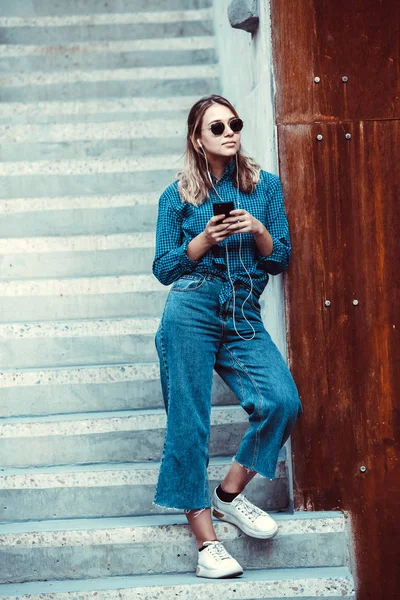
(195, 336)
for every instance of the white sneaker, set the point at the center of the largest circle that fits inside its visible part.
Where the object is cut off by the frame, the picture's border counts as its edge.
(216, 562)
(244, 514)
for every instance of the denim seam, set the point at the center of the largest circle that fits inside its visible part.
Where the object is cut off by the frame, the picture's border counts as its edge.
(166, 429)
(257, 442)
(163, 354)
(259, 310)
(239, 378)
(168, 394)
(248, 469)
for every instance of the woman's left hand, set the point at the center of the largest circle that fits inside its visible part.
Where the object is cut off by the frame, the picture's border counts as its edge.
(243, 222)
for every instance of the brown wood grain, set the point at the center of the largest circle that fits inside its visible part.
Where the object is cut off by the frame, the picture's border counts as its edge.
(321, 38)
(343, 202)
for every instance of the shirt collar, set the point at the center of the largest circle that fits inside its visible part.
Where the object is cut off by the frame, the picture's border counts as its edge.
(228, 171)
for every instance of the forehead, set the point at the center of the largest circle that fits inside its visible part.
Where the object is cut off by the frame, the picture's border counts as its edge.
(217, 112)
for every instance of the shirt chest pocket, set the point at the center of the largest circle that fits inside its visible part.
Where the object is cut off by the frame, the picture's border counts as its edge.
(196, 219)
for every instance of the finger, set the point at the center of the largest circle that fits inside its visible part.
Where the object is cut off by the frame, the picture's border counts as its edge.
(217, 218)
(237, 211)
(222, 238)
(218, 228)
(240, 225)
(224, 234)
(212, 224)
(233, 219)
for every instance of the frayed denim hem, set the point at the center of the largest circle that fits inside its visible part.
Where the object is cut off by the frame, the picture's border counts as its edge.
(249, 470)
(197, 513)
(185, 510)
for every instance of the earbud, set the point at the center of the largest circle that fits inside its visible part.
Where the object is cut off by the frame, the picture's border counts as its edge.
(200, 143)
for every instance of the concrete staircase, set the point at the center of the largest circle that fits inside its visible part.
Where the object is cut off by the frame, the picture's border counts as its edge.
(93, 101)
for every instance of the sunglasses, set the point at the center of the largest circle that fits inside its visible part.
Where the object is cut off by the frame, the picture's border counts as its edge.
(218, 127)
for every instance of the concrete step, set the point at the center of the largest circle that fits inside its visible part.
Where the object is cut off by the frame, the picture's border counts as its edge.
(77, 342)
(81, 298)
(111, 436)
(92, 548)
(139, 74)
(77, 141)
(106, 83)
(191, 50)
(93, 181)
(77, 255)
(101, 176)
(119, 489)
(81, 215)
(139, 129)
(101, 148)
(35, 392)
(104, 25)
(98, 166)
(86, 111)
(22, 11)
(335, 583)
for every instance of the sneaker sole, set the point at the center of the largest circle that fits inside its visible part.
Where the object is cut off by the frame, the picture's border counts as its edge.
(212, 574)
(256, 534)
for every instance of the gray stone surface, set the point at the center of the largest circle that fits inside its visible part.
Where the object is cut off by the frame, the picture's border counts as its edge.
(104, 84)
(90, 183)
(75, 549)
(89, 261)
(28, 9)
(99, 220)
(121, 436)
(53, 300)
(243, 14)
(71, 31)
(94, 98)
(334, 583)
(108, 489)
(52, 344)
(93, 388)
(82, 111)
(105, 58)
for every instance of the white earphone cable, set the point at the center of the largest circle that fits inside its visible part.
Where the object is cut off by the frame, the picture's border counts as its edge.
(240, 256)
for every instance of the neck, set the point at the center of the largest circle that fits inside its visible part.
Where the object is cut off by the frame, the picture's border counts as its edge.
(218, 165)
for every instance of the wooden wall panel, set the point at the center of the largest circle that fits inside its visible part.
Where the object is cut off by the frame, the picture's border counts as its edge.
(331, 39)
(343, 201)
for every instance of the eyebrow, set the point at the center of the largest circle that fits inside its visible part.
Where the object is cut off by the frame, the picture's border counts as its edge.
(215, 120)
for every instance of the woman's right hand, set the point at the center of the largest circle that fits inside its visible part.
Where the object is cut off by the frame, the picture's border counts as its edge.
(215, 231)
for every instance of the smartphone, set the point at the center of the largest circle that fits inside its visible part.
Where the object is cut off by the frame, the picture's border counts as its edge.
(223, 208)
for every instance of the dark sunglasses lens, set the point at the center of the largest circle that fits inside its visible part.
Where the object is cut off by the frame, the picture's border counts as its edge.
(236, 125)
(217, 128)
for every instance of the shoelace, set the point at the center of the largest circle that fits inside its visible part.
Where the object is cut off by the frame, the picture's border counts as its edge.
(218, 551)
(247, 508)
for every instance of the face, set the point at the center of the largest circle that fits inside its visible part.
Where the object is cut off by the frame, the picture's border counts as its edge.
(217, 145)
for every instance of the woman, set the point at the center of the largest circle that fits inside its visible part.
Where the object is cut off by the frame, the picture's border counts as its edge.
(218, 264)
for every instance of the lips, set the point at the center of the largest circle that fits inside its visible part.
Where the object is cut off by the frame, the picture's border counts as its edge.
(227, 143)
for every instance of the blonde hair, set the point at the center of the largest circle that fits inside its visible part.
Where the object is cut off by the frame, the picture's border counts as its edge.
(194, 185)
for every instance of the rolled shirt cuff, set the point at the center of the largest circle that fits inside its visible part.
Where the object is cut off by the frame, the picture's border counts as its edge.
(278, 260)
(187, 263)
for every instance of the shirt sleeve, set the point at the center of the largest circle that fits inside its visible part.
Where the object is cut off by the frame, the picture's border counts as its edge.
(171, 260)
(277, 225)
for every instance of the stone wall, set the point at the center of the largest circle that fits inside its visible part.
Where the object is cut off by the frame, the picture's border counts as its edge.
(247, 80)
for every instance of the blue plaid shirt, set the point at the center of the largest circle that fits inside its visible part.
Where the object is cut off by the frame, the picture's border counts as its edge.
(178, 223)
